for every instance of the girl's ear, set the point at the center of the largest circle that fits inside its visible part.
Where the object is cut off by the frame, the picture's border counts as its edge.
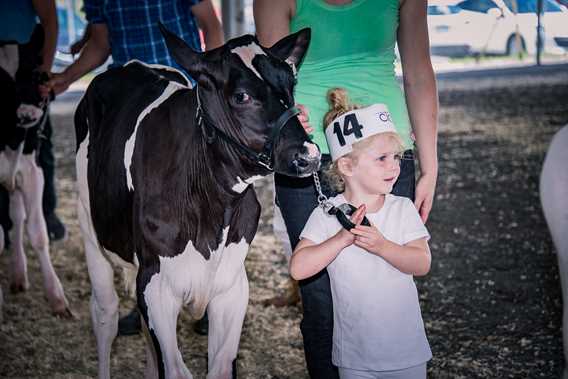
(345, 166)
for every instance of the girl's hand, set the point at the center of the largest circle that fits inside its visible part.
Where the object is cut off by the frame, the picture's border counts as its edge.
(347, 237)
(369, 238)
(304, 118)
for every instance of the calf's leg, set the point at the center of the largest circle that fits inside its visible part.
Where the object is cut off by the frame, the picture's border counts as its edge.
(104, 300)
(32, 189)
(226, 315)
(160, 307)
(151, 370)
(19, 271)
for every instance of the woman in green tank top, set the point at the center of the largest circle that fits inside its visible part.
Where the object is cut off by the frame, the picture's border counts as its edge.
(353, 46)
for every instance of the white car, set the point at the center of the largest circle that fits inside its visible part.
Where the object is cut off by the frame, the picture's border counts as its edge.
(458, 27)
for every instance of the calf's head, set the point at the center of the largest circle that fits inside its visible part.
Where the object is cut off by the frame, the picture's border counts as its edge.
(245, 92)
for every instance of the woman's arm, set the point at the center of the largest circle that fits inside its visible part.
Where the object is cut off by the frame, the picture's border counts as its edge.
(272, 19)
(78, 45)
(421, 97)
(45, 10)
(209, 24)
(94, 54)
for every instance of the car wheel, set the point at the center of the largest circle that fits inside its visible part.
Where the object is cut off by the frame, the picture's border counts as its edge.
(512, 47)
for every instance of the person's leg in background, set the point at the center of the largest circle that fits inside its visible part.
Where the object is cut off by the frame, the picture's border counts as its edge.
(406, 183)
(291, 294)
(46, 160)
(5, 221)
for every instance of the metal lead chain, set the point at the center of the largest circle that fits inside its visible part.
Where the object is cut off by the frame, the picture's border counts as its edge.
(323, 201)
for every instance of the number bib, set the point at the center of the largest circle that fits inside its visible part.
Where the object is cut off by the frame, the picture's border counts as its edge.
(355, 126)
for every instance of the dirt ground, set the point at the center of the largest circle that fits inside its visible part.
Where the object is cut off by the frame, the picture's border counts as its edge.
(491, 303)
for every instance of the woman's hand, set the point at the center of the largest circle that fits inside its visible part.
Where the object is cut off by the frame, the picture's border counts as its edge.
(58, 83)
(304, 118)
(44, 88)
(424, 197)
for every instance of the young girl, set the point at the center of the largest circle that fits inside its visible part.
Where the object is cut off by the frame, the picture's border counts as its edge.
(378, 330)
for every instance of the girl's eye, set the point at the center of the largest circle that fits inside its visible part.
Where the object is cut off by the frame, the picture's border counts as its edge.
(398, 157)
(242, 98)
(382, 158)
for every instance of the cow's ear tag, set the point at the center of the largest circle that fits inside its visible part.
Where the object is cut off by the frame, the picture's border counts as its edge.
(342, 213)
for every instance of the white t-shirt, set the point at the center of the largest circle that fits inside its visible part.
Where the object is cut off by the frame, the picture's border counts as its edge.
(377, 321)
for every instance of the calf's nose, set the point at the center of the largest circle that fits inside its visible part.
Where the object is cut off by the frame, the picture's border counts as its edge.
(308, 162)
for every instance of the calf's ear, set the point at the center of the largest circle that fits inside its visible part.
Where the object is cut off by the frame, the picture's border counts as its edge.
(185, 56)
(292, 48)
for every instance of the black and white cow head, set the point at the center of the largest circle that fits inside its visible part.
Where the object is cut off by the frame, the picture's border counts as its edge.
(246, 91)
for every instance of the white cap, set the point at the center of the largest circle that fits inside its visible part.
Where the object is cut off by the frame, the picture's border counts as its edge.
(355, 126)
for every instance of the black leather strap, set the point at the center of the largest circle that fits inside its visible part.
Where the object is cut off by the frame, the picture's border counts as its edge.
(342, 212)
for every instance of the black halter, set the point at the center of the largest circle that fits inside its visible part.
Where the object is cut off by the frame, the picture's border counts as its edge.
(264, 158)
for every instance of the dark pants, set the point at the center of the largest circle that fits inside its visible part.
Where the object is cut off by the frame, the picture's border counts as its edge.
(297, 199)
(46, 161)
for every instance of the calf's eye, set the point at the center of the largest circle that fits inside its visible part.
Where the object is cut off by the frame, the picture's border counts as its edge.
(242, 98)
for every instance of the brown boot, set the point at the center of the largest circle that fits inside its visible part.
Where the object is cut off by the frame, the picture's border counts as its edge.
(289, 298)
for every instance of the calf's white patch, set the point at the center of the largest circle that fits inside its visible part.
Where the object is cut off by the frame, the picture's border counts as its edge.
(247, 54)
(129, 146)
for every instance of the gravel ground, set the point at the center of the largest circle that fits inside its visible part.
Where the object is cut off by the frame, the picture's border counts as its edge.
(491, 303)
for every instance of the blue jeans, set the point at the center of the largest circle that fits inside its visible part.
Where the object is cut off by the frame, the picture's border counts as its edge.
(297, 198)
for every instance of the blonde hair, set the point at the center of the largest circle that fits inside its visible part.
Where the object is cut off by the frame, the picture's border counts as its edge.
(339, 104)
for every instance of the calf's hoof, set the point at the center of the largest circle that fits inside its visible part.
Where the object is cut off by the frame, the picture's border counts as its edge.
(66, 313)
(60, 308)
(19, 286)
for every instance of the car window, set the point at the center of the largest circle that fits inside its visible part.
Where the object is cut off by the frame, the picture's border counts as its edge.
(434, 10)
(440, 10)
(481, 6)
(523, 6)
(530, 6)
(551, 6)
(454, 9)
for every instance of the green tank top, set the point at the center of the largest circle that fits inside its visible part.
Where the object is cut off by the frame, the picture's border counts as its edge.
(352, 46)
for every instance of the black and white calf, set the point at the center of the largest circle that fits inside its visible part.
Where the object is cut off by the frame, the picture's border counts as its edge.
(21, 176)
(165, 173)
